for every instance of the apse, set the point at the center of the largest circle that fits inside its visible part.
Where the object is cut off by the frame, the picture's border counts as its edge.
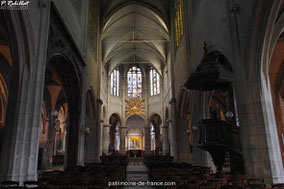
(276, 77)
(135, 133)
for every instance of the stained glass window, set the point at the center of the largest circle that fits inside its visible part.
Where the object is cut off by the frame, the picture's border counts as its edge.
(179, 21)
(114, 78)
(134, 82)
(154, 82)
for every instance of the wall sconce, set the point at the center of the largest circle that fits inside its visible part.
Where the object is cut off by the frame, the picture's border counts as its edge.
(53, 118)
(188, 132)
(87, 131)
(229, 114)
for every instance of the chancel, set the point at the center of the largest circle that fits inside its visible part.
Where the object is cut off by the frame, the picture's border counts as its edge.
(132, 93)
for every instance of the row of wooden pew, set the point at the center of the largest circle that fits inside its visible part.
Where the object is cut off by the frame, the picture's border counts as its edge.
(92, 175)
(163, 169)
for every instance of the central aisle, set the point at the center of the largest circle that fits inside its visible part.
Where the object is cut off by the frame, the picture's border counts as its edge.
(136, 172)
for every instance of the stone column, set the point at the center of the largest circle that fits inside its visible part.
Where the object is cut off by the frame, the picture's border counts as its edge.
(99, 129)
(147, 140)
(20, 145)
(184, 153)
(51, 140)
(81, 140)
(173, 130)
(122, 139)
(45, 152)
(106, 139)
(199, 100)
(165, 134)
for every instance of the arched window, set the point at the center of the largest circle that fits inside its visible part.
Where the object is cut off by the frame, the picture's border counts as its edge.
(114, 78)
(179, 21)
(134, 81)
(154, 82)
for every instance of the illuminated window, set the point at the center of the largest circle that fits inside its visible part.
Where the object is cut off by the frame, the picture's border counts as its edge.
(134, 81)
(154, 82)
(179, 21)
(114, 78)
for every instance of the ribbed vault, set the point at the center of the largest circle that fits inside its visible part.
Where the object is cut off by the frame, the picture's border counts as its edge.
(134, 33)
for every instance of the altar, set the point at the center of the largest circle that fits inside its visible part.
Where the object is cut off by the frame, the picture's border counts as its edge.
(134, 143)
(135, 153)
(134, 139)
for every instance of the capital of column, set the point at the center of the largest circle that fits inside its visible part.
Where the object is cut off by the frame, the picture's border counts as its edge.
(122, 127)
(107, 125)
(164, 126)
(99, 101)
(169, 121)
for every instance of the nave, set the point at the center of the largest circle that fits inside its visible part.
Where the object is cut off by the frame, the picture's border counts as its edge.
(189, 93)
(143, 172)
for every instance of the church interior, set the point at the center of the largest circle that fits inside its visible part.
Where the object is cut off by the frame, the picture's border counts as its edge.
(131, 93)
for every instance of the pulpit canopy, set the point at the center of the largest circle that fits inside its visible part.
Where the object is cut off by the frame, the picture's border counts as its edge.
(214, 72)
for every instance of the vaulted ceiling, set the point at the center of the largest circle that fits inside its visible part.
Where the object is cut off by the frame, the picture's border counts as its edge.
(135, 32)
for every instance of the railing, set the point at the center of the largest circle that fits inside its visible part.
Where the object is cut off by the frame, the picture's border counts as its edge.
(219, 132)
(219, 137)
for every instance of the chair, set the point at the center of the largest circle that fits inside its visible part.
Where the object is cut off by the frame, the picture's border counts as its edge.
(255, 183)
(188, 186)
(32, 184)
(210, 185)
(10, 184)
(278, 186)
(231, 187)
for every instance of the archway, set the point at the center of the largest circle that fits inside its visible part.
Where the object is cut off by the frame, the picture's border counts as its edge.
(262, 97)
(16, 48)
(64, 66)
(135, 134)
(52, 145)
(114, 133)
(184, 127)
(155, 133)
(6, 66)
(276, 77)
(60, 138)
(5, 72)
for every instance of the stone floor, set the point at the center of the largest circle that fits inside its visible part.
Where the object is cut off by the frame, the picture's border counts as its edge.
(137, 172)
